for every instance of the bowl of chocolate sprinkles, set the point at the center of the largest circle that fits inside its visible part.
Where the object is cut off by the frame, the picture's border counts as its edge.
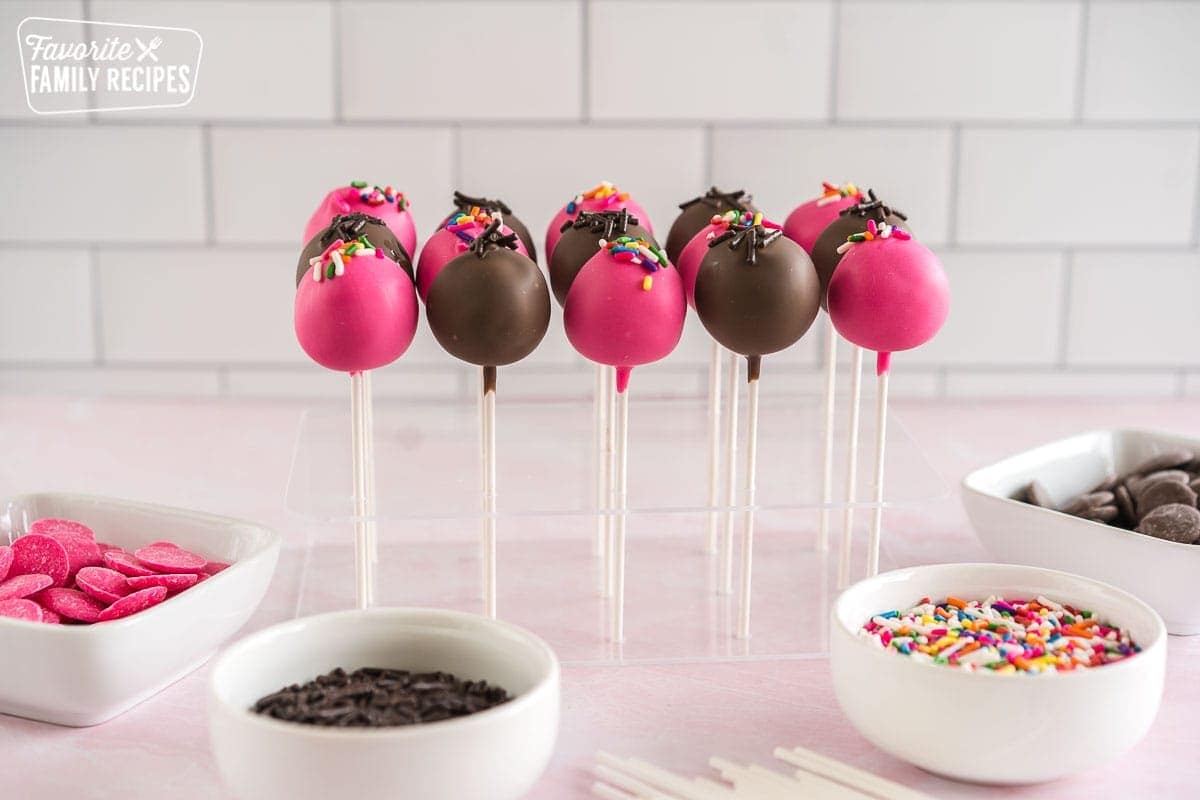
(385, 703)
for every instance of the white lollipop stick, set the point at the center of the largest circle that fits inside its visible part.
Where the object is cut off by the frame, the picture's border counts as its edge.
(369, 456)
(621, 507)
(714, 445)
(749, 491)
(856, 360)
(831, 337)
(610, 464)
(847, 775)
(725, 583)
(599, 405)
(488, 379)
(884, 372)
(358, 444)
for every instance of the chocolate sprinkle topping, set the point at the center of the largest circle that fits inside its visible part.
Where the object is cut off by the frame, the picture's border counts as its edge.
(373, 698)
(606, 223)
(492, 238)
(754, 237)
(872, 208)
(718, 199)
(464, 202)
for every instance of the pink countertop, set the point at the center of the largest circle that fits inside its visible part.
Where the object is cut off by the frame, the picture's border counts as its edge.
(234, 458)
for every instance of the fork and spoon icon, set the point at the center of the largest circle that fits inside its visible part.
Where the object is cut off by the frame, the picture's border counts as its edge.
(148, 49)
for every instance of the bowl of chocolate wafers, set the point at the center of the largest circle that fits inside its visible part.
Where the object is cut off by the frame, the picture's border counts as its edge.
(1116, 505)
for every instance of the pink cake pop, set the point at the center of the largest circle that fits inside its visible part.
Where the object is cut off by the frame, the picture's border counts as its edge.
(807, 220)
(888, 293)
(355, 308)
(693, 252)
(383, 202)
(602, 197)
(626, 306)
(452, 240)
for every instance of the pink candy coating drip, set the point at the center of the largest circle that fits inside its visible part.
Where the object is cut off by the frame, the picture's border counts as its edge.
(808, 220)
(443, 247)
(612, 319)
(347, 200)
(554, 231)
(889, 295)
(363, 319)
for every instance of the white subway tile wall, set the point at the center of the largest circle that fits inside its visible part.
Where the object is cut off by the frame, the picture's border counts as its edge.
(1049, 151)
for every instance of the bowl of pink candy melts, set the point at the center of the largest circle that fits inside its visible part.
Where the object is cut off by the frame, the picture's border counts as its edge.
(106, 602)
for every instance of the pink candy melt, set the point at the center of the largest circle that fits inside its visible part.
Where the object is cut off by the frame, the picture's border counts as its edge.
(213, 567)
(71, 603)
(35, 554)
(133, 603)
(125, 564)
(6, 559)
(106, 585)
(24, 585)
(808, 220)
(21, 609)
(691, 257)
(169, 558)
(52, 526)
(348, 200)
(171, 582)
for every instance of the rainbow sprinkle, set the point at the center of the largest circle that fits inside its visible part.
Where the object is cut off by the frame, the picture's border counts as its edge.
(1001, 636)
(378, 195)
(332, 262)
(474, 218)
(875, 230)
(832, 193)
(637, 251)
(602, 191)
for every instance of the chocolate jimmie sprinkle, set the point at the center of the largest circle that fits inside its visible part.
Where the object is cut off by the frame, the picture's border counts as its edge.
(754, 237)
(465, 202)
(606, 223)
(492, 238)
(373, 697)
(716, 198)
(874, 208)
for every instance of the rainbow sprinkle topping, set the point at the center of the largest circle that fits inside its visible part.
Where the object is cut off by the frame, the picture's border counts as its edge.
(1004, 637)
(602, 191)
(637, 251)
(832, 193)
(378, 195)
(875, 230)
(475, 218)
(332, 262)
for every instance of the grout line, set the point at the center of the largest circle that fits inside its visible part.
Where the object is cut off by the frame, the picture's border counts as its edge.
(222, 375)
(1181, 383)
(585, 63)
(1085, 12)
(210, 191)
(835, 53)
(1064, 322)
(97, 305)
(335, 33)
(456, 159)
(956, 135)
(706, 156)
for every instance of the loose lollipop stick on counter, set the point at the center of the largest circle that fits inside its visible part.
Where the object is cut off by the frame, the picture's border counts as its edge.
(861, 780)
(753, 366)
(847, 544)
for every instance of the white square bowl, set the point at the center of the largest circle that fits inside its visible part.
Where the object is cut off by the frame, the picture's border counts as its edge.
(1161, 573)
(84, 675)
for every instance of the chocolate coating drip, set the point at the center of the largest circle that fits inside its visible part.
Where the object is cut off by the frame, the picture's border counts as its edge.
(699, 211)
(490, 307)
(580, 241)
(760, 306)
(465, 202)
(850, 220)
(349, 227)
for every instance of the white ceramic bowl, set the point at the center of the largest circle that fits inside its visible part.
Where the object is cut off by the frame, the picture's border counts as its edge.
(495, 754)
(85, 675)
(1160, 572)
(988, 728)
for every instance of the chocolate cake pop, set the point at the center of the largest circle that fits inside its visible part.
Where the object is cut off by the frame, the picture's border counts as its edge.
(580, 241)
(697, 212)
(452, 239)
(382, 202)
(602, 197)
(489, 306)
(756, 290)
(808, 220)
(851, 220)
(349, 227)
(464, 203)
(625, 307)
(689, 260)
(355, 307)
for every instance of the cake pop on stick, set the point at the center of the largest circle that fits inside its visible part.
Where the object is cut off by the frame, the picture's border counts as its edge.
(454, 236)
(349, 227)
(489, 306)
(356, 310)
(382, 202)
(695, 215)
(889, 293)
(601, 197)
(465, 202)
(756, 293)
(803, 226)
(826, 257)
(625, 308)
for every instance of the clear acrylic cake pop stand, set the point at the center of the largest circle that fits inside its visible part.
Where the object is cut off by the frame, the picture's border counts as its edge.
(427, 474)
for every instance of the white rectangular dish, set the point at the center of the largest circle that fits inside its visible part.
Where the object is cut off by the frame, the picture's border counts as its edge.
(85, 675)
(1160, 572)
